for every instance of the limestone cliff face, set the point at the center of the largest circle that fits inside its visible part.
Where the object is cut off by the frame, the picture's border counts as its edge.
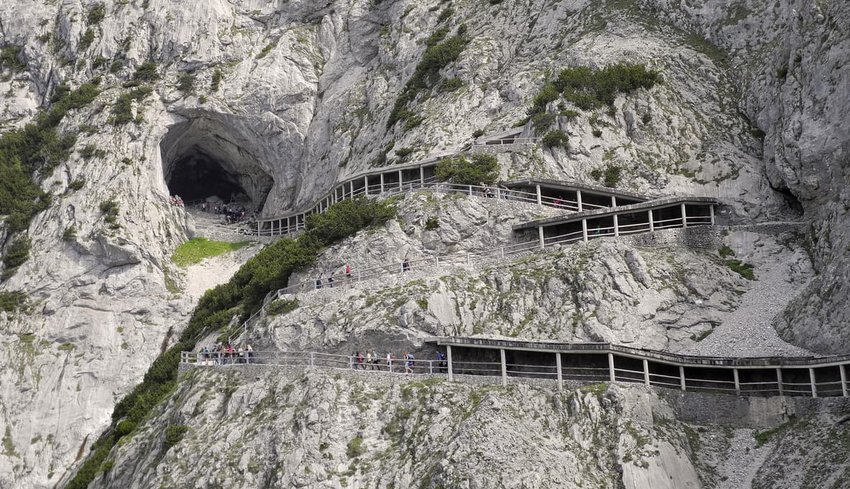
(292, 97)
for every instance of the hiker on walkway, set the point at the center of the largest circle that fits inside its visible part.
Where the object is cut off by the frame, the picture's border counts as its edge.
(360, 360)
(408, 366)
(368, 360)
(440, 361)
(376, 361)
(249, 353)
(331, 281)
(405, 265)
(319, 282)
(348, 271)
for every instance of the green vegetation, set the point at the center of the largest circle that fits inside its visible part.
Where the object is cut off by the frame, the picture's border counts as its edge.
(591, 89)
(763, 437)
(10, 58)
(146, 72)
(477, 133)
(451, 84)
(282, 306)
(87, 39)
(11, 301)
(268, 270)
(403, 153)
(90, 151)
(556, 139)
(173, 434)
(16, 255)
(70, 233)
(96, 13)
(197, 249)
(743, 269)
(216, 80)
(610, 176)
(725, 251)
(483, 168)
(36, 148)
(446, 14)
(109, 209)
(122, 112)
(432, 223)
(437, 56)
(186, 83)
(347, 217)
(77, 184)
(266, 50)
(355, 447)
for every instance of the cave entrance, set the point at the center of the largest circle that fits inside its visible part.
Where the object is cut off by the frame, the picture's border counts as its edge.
(206, 159)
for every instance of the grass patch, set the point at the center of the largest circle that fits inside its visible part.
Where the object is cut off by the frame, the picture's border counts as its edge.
(743, 269)
(197, 249)
(764, 437)
(11, 301)
(122, 111)
(186, 83)
(355, 447)
(725, 252)
(173, 434)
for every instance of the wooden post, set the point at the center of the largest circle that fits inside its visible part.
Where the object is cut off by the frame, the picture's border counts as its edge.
(539, 196)
(449, 361)
(616, 225)
(422, 175)
(366, 185)
(400, 181)
(813, 382)
(779, 381)
(613, 201)
(682, 377)
(684, 216)
(645, 372)
(558, 368)
(584, 230)
(540, 237)
(651, 222)
(611, 373)
(579, 203)
(711, 213)
(382, 183)
(504, 368)
(737, 381)
(843, 380)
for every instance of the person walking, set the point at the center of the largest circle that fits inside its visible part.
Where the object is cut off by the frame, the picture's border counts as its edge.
(405, 265)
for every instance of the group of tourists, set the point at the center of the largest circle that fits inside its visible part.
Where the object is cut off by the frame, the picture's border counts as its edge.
(329, 282)
(373, 361)
(176, 201)
(225, 354)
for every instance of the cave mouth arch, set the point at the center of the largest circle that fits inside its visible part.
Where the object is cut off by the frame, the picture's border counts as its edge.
(205, 158)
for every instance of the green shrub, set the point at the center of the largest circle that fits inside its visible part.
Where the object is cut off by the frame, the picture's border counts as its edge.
(282, 306)
(782, 72)
(477, 133)
(116, 66)
(549, 93)
(597, 133)
(10, 58)
(186, 83)
(90, 151)
(355, 447)
(610, 176)
(173, 435)
(432, 223)
(77, 184)
(483, 168)
(743, 269)
(122, 109)
(436, 57)
(70, 233)
(542, 121)
(437, 36)
(96, 13)
(413, 122)
(267, 49)
(446, 14)
(87, 39)
(347, 217)
(36, 148)
(11, 301)
(725, 251)
(16, 255)
(403, 153)
(146, 72)
(216, 80)
(451, 84)
(556, 139)
(109, 209)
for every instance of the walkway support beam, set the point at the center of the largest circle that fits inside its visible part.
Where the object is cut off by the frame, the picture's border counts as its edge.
(584, 230)
(539, 195)
(814, 382)
(611, 375)
(382, 183)
(651, 222)
(682, 377)
(422, 175)
(579, 203)
(613, 201)
(540, 237)
(504, 368)
(737, 381)
(616, 225)
(843, 372)
(779, 381)
(684, 216)
(645, 372)
(449, 361)
(558, 371)
(711, 213)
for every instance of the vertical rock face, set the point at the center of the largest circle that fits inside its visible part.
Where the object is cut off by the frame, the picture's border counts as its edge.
(288, 98)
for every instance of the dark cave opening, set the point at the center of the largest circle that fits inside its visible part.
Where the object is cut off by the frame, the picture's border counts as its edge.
(198, 176)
